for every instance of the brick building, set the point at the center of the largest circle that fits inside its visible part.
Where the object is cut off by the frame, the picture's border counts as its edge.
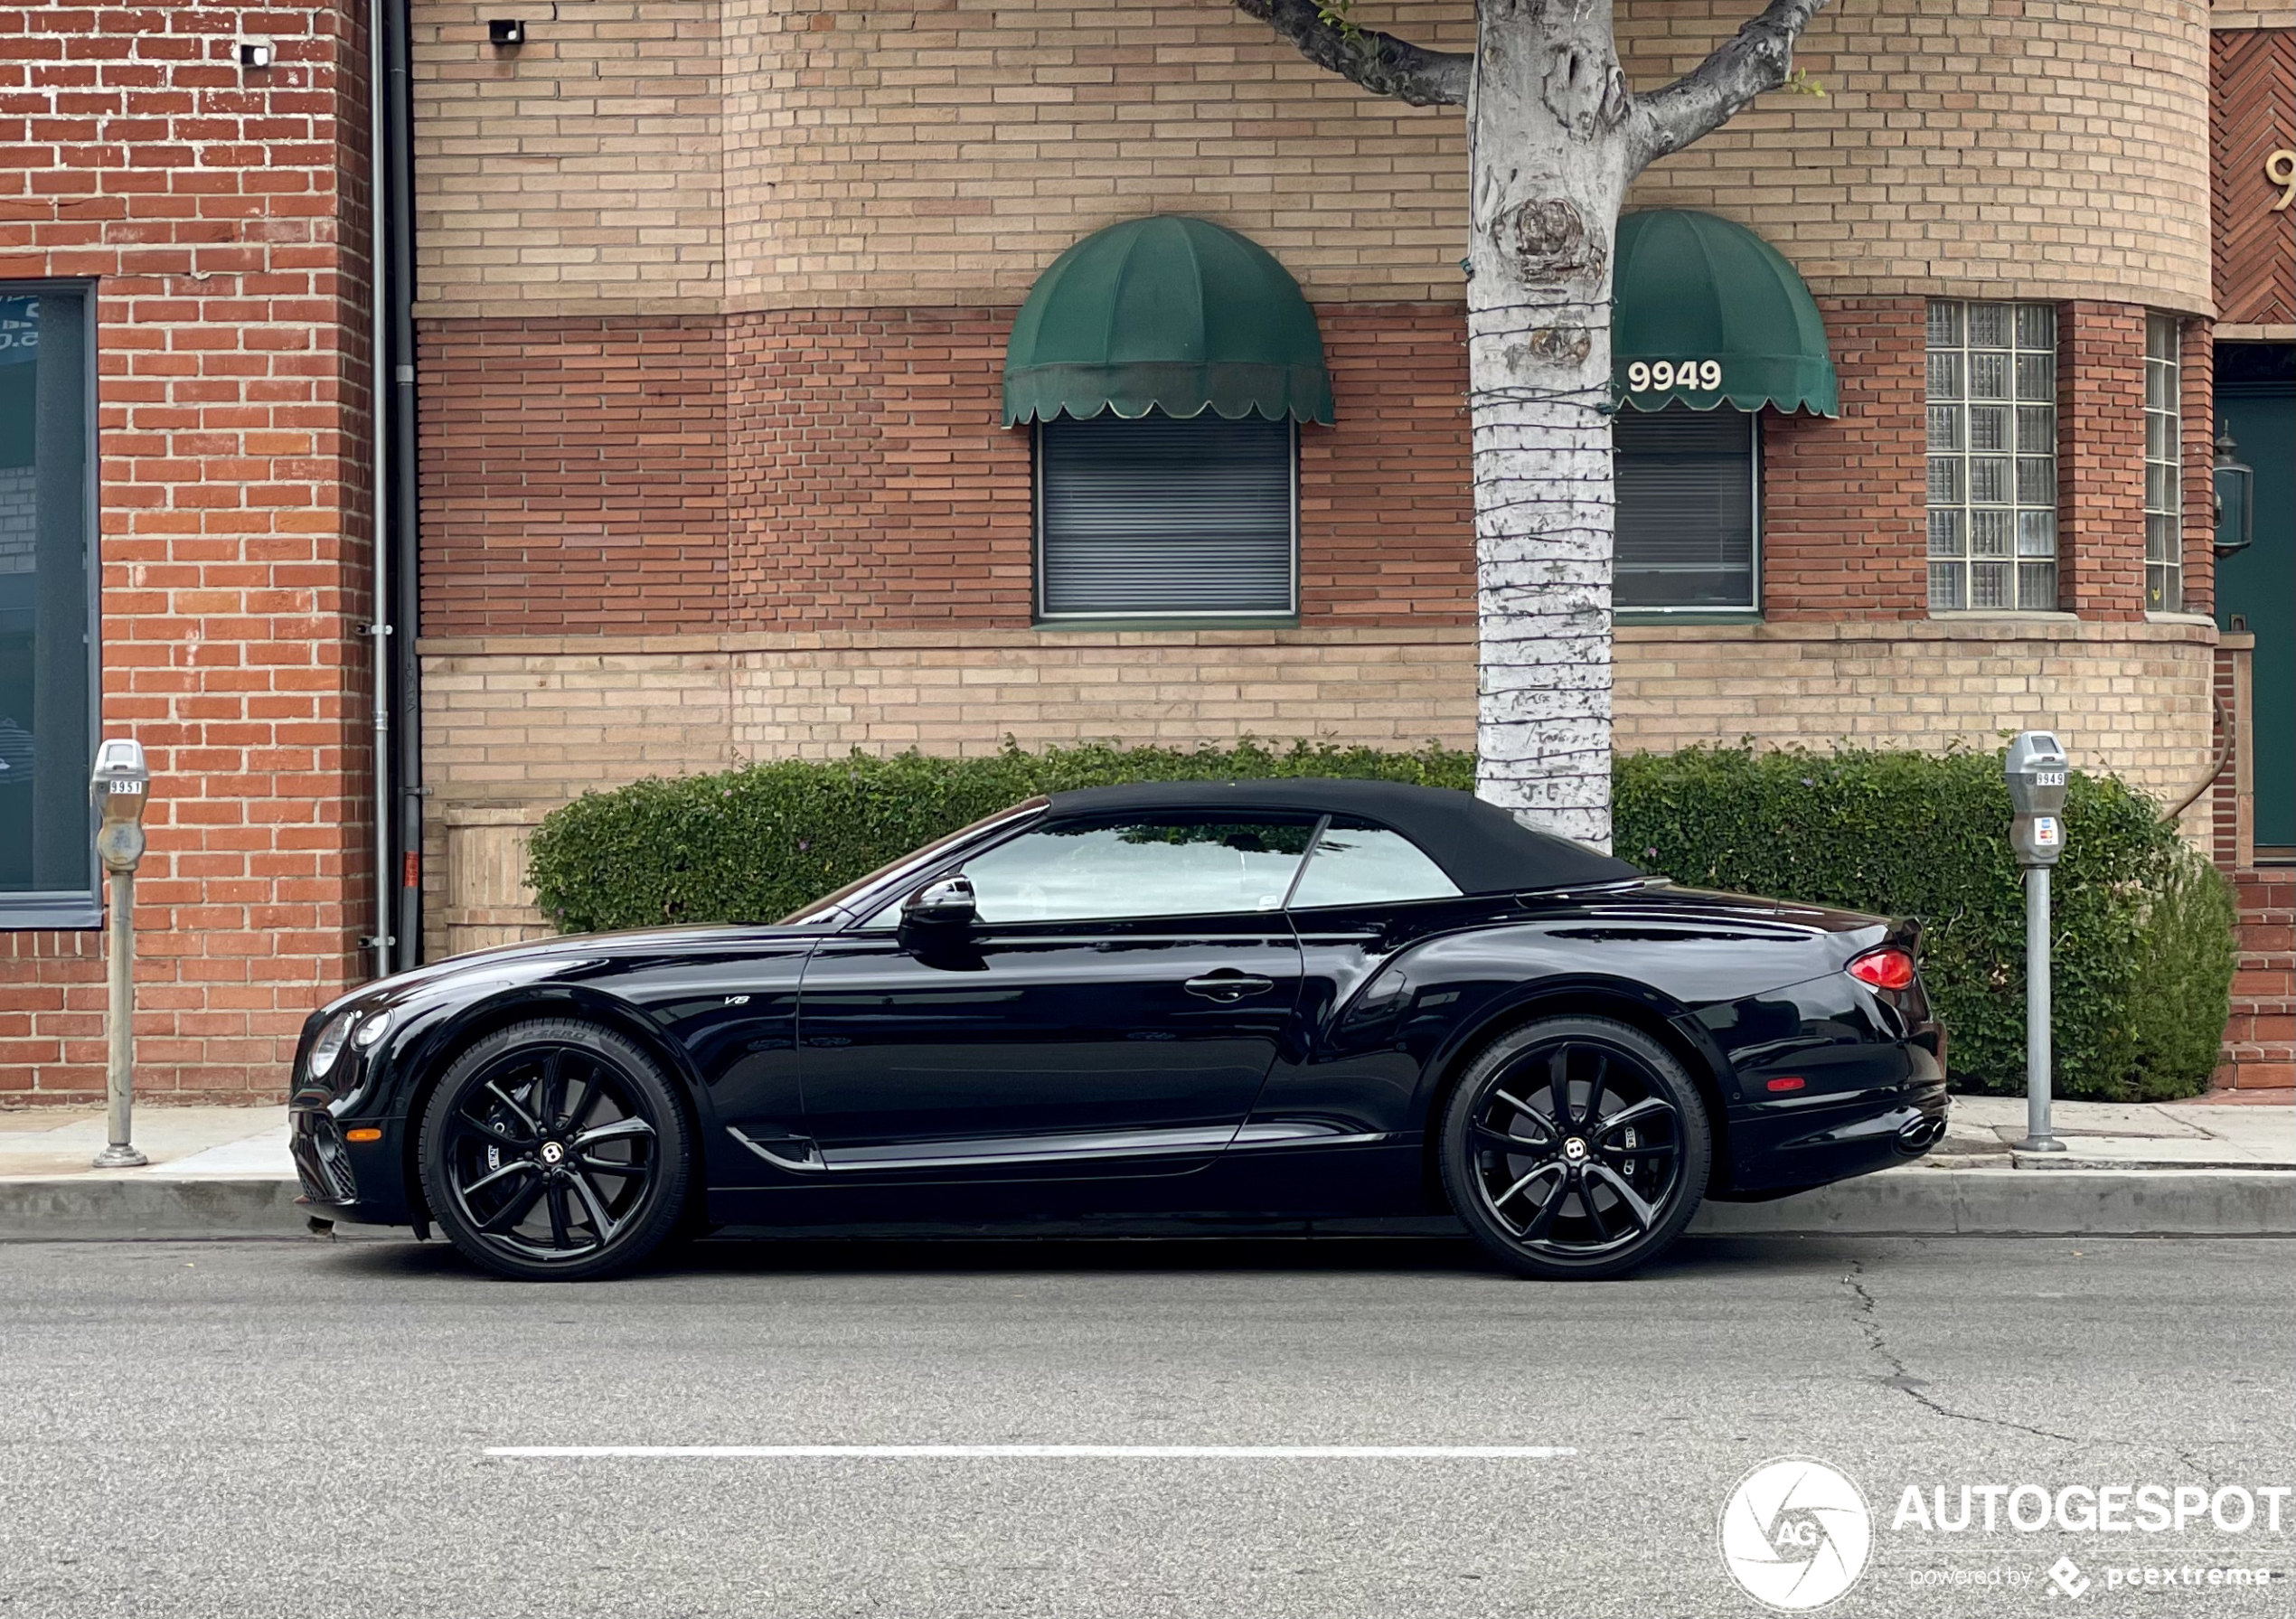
(713, 306)
(184, 533)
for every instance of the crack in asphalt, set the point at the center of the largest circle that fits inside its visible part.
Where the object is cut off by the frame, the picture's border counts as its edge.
(1865, 1310)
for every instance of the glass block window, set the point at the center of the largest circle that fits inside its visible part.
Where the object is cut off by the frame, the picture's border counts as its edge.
(1992, 456)
(2164, 465)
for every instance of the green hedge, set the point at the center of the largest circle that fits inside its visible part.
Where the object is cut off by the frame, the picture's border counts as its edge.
(756, 843)
(2143, 940)
(1905, 833)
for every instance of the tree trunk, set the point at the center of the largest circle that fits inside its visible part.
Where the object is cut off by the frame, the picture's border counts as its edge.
(1552, 155)
(1554, 137)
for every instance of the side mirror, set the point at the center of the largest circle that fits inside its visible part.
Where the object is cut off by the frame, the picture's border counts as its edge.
(945, 903)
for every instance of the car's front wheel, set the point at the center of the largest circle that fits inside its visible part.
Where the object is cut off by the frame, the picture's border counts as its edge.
(1575, 1147)
(555, 1151)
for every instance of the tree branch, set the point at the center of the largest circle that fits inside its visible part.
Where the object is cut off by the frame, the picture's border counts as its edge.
(1758, 58)
(1379, 63)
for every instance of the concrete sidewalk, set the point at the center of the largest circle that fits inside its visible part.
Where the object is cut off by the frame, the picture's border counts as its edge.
(2197, 1168)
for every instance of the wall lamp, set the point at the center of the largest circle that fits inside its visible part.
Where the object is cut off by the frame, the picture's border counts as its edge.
(504, 32)
(2235, 498)
(256, 54)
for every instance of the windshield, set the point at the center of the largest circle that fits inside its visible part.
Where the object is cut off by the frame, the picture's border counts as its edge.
(829, 905)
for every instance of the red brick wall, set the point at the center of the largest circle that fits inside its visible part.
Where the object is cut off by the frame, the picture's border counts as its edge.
(573, 476)
(2200, 423)
(1387, 498)
(869, 482)
(222, 212)
(2100, 459)
(814, 469)
(2252, 111)
(2260, 1042)
(1844, 519)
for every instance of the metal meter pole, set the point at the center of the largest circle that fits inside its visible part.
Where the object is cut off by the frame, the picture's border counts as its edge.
(2038, 1138)
(119, 1020)
(2037, 773)
(121, 787)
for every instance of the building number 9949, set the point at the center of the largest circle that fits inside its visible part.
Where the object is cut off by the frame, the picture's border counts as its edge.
(1642, 376)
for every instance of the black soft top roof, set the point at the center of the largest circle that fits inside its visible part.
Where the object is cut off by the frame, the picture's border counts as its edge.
(1481, 847)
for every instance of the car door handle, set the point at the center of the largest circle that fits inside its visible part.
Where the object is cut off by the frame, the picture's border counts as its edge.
(1229, 986)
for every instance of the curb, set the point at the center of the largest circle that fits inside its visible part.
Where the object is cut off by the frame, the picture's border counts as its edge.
(1908, 1202)
(2015, 1202)
(85, 1208)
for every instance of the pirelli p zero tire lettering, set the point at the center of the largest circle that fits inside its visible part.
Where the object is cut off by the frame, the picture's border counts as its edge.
(555, 1151)
(1575, 1147)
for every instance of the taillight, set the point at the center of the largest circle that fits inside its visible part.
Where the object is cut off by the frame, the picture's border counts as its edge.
(1888, 968)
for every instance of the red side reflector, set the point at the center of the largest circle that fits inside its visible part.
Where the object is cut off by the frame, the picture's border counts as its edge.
(1888, 968)
(1790, 1082)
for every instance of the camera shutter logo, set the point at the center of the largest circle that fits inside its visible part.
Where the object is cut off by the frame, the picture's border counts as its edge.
(1795, 1534)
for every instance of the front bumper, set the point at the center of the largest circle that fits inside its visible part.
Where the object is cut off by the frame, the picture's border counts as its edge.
(359, 1183)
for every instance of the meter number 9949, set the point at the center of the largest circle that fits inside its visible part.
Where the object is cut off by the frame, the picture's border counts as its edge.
(1642, 376)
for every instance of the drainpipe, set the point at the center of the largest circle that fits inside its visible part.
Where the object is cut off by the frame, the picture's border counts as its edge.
(378, 399)
(406, 735)
(398, 814)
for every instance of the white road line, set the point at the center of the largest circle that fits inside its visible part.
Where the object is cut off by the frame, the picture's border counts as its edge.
(1246, 1452)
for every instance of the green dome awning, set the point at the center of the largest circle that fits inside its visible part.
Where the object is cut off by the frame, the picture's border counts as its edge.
(1167, 314)
(1709, 311)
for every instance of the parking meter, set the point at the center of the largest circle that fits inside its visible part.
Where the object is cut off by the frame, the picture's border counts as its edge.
(121, 786)
(2036, 770)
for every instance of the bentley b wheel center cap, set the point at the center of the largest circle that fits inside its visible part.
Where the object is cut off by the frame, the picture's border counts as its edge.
(552, 1152)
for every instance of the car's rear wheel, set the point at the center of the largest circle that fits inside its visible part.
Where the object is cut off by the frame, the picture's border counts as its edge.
(555, 1151)
(1575, 1147)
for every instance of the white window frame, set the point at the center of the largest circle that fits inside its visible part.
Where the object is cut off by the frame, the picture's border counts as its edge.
(2164, 561)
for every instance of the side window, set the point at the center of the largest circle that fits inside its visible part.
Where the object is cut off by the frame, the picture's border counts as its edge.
(1357, 863)
(1168, 866)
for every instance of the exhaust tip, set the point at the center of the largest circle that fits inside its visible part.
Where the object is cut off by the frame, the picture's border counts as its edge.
(1918, 1135)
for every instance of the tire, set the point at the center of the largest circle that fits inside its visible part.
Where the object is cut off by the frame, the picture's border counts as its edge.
(1547, 1192)
(607, 1152)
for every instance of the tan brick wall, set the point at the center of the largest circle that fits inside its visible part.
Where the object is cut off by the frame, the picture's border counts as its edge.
(513, 727)
(580, 169)
(1965, 147)
(667, 155)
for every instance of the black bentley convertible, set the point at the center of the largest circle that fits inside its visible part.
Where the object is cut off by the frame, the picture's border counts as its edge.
(1266, 1000)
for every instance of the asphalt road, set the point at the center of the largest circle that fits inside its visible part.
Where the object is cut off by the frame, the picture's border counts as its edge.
(302, 1429)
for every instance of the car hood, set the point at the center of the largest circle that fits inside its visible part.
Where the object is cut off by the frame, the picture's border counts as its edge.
(539, 956)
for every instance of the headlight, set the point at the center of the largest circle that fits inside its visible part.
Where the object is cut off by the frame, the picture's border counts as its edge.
(329, 1046)
(370, 1030)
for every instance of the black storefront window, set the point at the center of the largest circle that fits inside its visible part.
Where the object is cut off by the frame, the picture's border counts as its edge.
(1688, 509)
(47, 662)
(1160, 516)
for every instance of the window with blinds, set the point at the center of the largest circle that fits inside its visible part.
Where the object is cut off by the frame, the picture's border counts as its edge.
(1159, 517)
(1687, 509)
(2164, 465)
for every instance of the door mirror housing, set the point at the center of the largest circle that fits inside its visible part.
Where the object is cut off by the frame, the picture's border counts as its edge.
(943, 903)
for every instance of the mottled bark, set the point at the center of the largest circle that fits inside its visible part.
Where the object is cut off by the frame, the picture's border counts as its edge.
(1555, 138)
(1379, 63)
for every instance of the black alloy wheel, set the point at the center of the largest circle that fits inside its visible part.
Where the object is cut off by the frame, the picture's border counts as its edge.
(1575, 1147)
(555, 1151)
